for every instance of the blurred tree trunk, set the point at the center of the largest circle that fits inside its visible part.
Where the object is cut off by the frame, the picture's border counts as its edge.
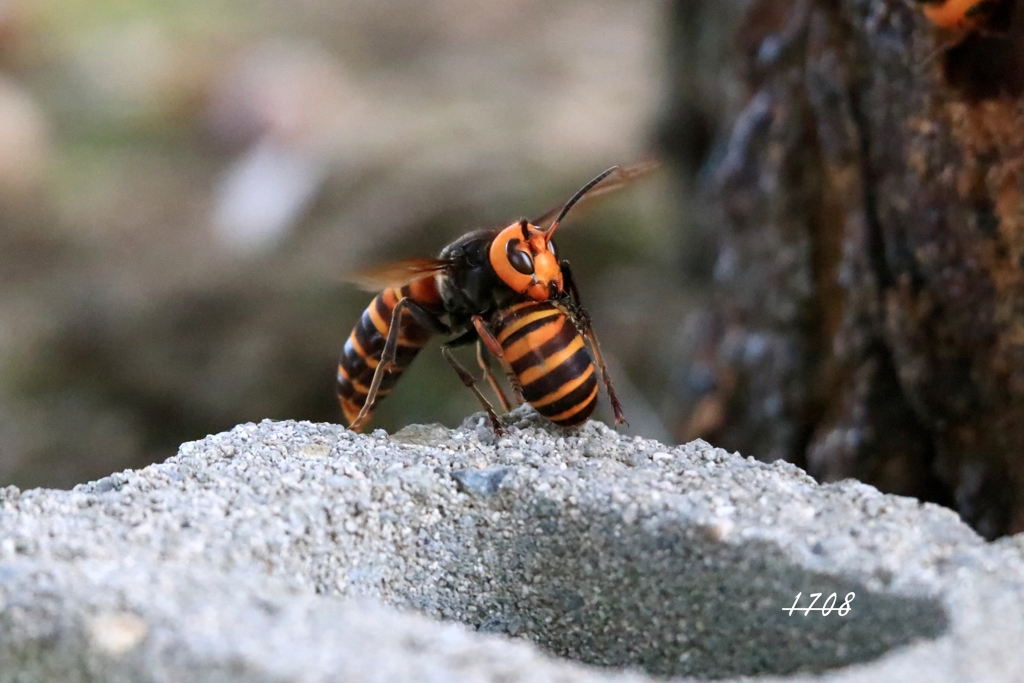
(868, 192)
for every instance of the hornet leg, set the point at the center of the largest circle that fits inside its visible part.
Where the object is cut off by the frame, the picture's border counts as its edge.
(467, 379)
(486, 367)
(494, 347)
(588, 331)
(387, 357)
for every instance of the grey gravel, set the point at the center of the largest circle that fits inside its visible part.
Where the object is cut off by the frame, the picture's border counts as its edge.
(483, 482)
(302, 552)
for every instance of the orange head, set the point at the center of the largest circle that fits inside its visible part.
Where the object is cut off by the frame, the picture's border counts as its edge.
(524, 258)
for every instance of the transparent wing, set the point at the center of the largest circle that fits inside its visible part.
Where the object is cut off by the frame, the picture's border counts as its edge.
(620, 178)
(395, 274)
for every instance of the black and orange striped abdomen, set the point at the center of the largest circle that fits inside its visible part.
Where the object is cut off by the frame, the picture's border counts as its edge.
(549, 357)
(363, 349)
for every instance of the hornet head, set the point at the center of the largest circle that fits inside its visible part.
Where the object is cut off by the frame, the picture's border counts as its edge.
(524, 257)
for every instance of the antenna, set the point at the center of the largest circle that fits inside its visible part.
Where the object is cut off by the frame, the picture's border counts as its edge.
(576, 197)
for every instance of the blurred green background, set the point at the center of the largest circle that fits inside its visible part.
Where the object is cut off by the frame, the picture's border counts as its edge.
(184, 183)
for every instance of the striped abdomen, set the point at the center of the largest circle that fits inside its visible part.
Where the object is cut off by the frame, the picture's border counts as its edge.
(548, 356)
(363, 349)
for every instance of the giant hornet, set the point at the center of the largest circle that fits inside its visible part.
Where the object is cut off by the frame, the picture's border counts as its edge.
(504, 289)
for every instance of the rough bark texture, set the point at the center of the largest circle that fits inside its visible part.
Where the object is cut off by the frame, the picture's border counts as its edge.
(869, 320)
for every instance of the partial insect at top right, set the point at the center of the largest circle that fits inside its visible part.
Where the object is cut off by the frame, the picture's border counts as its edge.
(958, 14)
(504, 289)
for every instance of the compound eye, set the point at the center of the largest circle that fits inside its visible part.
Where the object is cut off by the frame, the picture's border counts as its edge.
(520, 260)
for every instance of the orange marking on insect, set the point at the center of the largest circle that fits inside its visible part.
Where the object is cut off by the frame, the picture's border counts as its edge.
(543, 269)
(424, 291)
(405, 342)
(564, 390)
(351, 409)
(500, 262)
(575, 409)
(526, 320)
(517, 307)
(382, 326)
(361, 352)
(533, 340)
(954, 14)
(552, 362)
(358, 386)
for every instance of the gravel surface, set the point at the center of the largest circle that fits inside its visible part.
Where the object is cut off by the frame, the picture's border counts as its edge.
(279, 552)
